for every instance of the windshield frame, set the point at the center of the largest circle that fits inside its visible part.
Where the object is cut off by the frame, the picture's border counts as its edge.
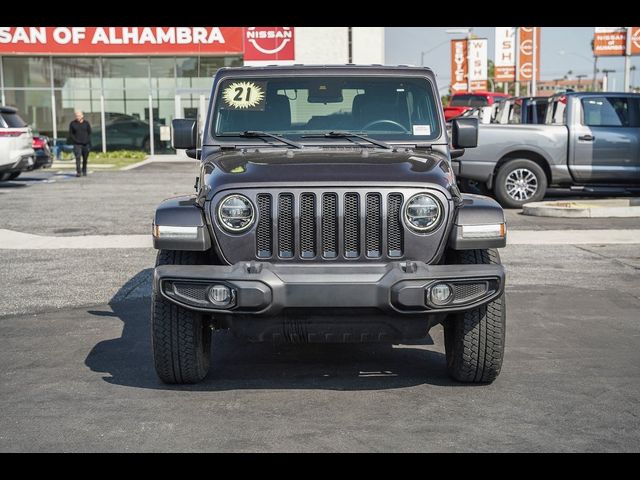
(225, 140)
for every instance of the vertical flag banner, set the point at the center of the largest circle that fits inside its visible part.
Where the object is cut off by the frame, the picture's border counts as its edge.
(505, 55)
(609, 41)
(525, 53)
(459, 67)
(477, 64)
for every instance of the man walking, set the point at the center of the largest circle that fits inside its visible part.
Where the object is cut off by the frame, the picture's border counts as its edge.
(80, 135)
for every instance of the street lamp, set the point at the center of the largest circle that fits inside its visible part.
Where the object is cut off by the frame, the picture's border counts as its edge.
(605, 83)
(595, 65)
(579, 77)
(424, 52)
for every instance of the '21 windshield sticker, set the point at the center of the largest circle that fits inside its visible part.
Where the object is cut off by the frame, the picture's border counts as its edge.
(244, 95)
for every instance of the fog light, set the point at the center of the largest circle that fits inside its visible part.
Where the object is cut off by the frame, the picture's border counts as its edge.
(441, 294)
(220, 295)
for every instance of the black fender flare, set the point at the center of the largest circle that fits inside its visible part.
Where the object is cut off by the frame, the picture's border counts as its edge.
(477, 210)
(182, 212)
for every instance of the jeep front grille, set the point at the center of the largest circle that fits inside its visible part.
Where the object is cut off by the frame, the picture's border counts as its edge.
(329, 225)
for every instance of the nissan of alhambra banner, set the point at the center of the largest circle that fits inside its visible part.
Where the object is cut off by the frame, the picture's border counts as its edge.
(258, 44)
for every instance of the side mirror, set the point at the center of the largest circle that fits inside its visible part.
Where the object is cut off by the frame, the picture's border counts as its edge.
(464, 133)
(185, 133)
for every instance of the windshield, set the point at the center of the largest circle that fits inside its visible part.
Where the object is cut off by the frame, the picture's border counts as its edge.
(13, 120)
(386, 108)
(469, 101)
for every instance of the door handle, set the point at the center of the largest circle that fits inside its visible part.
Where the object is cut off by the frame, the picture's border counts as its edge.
(587, 138)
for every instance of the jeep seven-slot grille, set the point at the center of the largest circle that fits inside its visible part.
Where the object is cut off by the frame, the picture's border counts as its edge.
(264, 230)
(328, 225)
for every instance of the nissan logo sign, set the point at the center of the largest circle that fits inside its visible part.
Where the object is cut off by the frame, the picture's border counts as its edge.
(269, 40)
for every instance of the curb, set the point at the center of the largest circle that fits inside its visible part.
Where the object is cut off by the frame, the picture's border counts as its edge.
(611, 208)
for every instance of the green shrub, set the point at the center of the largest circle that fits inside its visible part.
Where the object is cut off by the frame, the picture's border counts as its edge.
(134, 154)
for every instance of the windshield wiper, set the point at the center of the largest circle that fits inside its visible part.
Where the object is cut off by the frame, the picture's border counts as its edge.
(341, 134)
(259, 134)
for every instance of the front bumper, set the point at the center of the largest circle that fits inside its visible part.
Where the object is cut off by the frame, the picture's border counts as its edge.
(267, 289)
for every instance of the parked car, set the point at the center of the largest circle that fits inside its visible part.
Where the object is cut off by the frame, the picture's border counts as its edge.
(43, 157)
(589, 140)
(462, 101)
(522, 110)
(127, 134)
(339, 224)
(16, 144)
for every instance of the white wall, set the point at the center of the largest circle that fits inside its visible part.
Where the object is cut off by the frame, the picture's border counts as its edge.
(322, 45)
(368, 45)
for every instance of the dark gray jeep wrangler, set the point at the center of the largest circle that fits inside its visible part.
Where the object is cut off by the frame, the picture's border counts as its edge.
(326, 210)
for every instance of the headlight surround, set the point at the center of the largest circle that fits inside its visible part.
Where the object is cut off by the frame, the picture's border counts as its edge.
(236, 213)
(422, 212)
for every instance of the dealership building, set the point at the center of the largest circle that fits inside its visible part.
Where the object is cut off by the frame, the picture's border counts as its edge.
(132, 81)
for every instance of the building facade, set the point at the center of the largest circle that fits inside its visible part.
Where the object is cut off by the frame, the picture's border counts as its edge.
(132, 81)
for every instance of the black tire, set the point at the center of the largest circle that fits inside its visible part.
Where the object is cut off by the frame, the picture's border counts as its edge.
(474, 340)
(13, 175)
(181, 338)
(511, 168)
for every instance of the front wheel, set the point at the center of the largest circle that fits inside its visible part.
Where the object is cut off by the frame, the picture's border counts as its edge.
(518, 182)
(181, 338)
(474, 340)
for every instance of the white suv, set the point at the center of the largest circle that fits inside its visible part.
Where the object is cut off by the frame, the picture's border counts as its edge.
(16, 140)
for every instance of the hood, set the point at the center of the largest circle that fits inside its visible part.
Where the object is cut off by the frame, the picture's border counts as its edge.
(339, 165)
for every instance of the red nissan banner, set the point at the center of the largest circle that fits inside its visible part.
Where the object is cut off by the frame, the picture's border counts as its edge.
(269, 46)
(121, 40)
(526, 53)
(459, 66)
(635, 41)
(609, 41)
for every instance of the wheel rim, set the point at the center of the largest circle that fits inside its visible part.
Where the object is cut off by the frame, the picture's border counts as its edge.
(521, 184)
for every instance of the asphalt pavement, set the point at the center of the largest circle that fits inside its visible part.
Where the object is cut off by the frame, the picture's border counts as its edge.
(77, 371)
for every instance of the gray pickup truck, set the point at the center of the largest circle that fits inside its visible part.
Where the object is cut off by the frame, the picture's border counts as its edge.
(587, 140)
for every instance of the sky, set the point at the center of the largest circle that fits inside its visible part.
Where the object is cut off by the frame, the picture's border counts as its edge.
(562, 49)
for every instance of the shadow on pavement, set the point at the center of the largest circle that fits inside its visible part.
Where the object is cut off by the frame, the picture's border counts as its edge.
(237, 365)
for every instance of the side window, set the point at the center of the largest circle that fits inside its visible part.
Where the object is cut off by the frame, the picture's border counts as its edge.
(557, 114)
(606, 112)
(516, 112)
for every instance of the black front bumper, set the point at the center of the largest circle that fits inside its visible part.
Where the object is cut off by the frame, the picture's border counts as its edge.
(267, 289)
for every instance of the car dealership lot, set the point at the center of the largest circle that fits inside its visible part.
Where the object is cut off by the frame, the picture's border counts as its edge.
(78, 376)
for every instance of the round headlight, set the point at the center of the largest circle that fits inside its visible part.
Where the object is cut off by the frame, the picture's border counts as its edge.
(422, 212)
(235, 213)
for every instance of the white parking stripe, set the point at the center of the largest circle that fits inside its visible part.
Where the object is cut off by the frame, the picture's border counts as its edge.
(572, 237)
(12, 240)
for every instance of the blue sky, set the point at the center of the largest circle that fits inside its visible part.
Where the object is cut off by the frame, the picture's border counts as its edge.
(405, 44)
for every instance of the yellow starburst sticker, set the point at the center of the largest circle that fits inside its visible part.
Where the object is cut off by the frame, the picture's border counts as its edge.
(244, 95)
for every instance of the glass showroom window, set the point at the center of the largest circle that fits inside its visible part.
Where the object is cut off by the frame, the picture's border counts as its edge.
(31, 72)
(34, 106)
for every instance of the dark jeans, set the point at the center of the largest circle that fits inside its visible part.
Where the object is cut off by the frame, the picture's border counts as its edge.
(80, 150)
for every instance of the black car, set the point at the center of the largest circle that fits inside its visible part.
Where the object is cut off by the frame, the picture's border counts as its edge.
(126, 133)
(43, 158)
(326, 210)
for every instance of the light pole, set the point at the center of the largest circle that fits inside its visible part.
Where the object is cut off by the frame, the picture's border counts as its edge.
(424, 52)
(605, 83)
(595, 65)
(582, 75)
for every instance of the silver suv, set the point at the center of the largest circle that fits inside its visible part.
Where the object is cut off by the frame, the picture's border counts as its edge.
(16, 140)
